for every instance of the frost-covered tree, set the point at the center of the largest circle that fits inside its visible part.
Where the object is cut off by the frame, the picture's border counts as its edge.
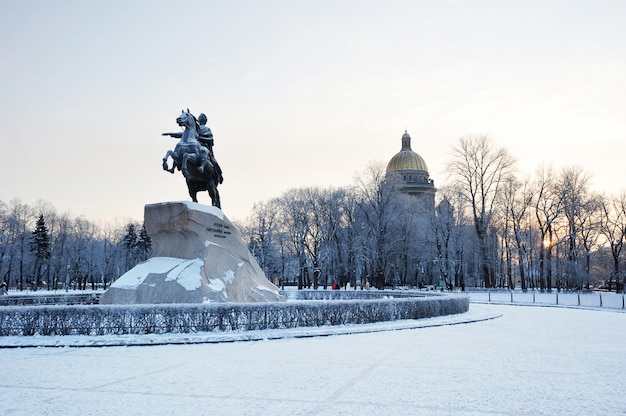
(346, 237)
(336, 209)
(79, 251)
(17, 223)
(307, 216)
(443, 225)
(262, 234)
(83, 252)
(112, 253)
(60, 233)
(479, 169)
(294, 220)
(377, 214)
(462, 235)
(4, 241)
(313, 200)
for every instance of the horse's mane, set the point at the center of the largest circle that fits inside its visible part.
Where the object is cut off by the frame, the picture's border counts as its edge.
(195, 120)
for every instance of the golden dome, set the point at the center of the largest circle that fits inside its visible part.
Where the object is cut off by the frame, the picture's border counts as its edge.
(406, 159)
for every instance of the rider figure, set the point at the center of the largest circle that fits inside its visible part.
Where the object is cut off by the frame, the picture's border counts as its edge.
(205, 137)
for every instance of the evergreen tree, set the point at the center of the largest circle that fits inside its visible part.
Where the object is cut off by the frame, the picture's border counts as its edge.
(40, 247)
(130, 244)
(144, 244)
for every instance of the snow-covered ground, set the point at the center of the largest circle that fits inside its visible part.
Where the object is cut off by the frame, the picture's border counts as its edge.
(528, 361)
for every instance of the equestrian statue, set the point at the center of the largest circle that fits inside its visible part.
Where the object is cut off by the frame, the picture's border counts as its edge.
(193, 155)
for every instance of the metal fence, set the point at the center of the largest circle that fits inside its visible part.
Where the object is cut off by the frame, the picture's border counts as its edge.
(48, 298)
(583, 299)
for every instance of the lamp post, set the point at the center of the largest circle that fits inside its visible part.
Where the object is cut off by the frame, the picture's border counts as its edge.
(67, 278)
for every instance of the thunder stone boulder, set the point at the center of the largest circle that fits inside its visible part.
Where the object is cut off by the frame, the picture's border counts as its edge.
(198, 256)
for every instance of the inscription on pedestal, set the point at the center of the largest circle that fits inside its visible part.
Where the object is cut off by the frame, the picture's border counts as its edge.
(219, 230)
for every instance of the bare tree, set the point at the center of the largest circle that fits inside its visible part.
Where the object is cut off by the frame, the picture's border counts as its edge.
(548, 208)
(578, 203)
(589, 225)
(517, 198)
(613, 226)
(480, 170)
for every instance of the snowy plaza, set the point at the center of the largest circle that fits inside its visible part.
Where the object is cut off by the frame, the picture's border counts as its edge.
(524, 360)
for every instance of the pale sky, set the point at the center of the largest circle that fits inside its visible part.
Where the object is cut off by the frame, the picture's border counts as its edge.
(298, 93)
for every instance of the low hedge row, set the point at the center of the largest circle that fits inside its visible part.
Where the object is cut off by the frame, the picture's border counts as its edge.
(187, 318)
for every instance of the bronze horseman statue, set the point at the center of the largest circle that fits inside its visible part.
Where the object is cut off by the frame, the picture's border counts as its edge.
(193, 155)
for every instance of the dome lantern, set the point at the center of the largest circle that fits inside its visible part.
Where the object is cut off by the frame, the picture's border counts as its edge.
(406, 141)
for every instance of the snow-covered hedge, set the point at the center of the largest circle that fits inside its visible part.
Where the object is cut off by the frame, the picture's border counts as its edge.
(186, 318)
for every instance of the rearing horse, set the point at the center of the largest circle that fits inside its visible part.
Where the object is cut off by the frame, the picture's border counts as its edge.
(190, 156)
(188, 149)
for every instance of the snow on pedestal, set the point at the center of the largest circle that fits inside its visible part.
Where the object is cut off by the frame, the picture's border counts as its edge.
(198, 256)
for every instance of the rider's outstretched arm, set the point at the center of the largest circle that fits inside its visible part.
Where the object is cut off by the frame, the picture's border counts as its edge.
(178, 135)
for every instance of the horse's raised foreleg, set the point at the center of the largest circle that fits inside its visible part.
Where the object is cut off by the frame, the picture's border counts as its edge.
(168, 155)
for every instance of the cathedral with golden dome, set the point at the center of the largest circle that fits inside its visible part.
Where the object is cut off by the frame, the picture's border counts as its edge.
(411, 169)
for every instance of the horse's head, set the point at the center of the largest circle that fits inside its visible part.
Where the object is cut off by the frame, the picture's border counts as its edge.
(189, 122)
(186, 119)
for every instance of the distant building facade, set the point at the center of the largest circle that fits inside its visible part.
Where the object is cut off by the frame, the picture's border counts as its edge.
(411, 169)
